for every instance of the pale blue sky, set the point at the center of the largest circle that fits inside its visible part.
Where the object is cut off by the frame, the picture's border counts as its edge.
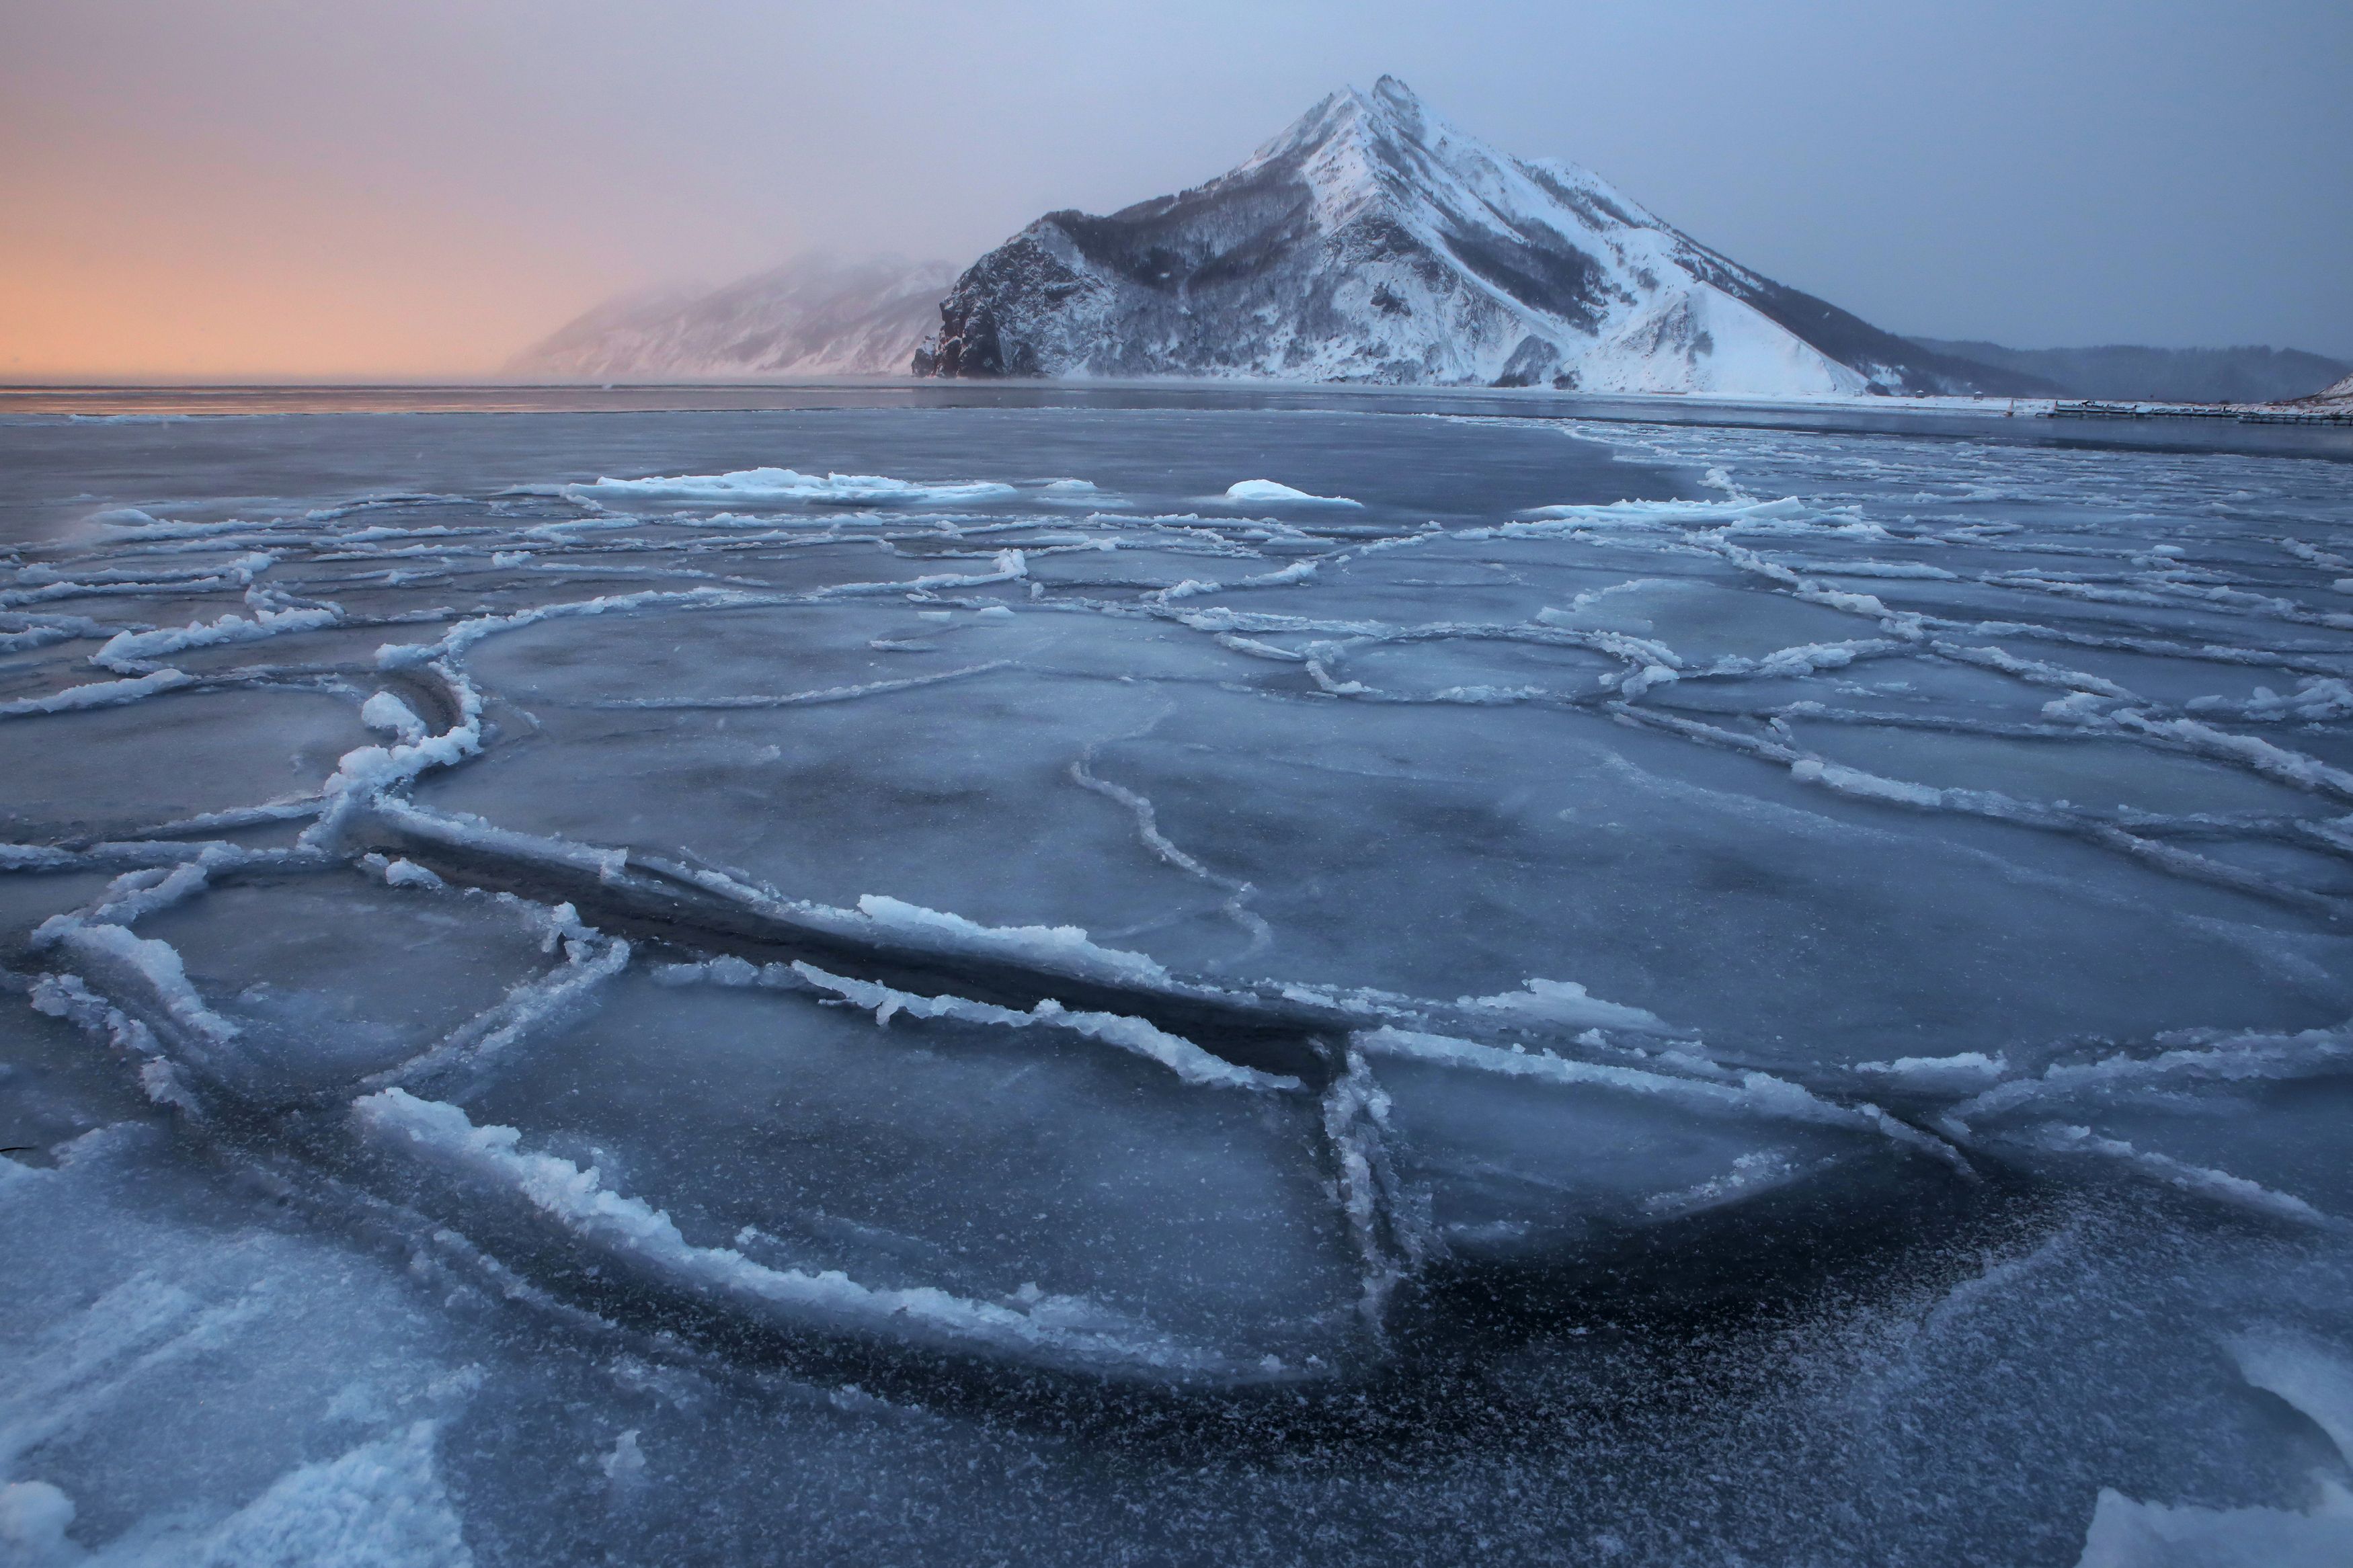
(445, 174)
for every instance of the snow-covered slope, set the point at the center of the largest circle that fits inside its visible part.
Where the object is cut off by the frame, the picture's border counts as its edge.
(816, 315)
(1373, 241)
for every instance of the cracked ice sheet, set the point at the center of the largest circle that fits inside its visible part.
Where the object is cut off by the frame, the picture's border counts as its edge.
(55, 1087)
(1681, 599)
(2096, 772)
(1421, 850)
(955, 796)
(933, 814)
(110, 770)
(1525, 1164)
(348, 646)
(994, 1163)
(178, 1297)
(2235, 1112)
(327, 982)
(1435, 851)
(191, 1372)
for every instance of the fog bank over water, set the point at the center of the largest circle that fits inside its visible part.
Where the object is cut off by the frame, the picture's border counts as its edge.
(236, 189)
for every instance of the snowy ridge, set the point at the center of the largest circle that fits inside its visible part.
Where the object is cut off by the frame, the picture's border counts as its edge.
(1181, 1057)
(1373, 241)
(814, 316)
(770, 487)
(1023, 976)
(97, 694)
(1753, 1094)
(127, 651)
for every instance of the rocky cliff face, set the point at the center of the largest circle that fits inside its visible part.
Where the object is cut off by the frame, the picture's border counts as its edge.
(1372, 241)
(813, 316)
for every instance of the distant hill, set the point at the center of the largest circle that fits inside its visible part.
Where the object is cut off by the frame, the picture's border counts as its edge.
(2337, 399)
(2170, 375)
(816, 315)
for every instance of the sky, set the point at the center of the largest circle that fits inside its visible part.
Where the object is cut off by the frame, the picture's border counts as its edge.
(279, 188)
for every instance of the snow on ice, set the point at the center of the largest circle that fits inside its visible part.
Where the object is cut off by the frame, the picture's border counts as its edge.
(1639, 993)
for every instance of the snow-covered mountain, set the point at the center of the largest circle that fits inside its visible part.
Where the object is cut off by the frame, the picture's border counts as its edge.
(816, 315)
(1373, 241)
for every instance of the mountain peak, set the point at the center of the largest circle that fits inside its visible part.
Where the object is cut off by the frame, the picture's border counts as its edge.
(1399, 101)
(1389, 113)
(1370, 240)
